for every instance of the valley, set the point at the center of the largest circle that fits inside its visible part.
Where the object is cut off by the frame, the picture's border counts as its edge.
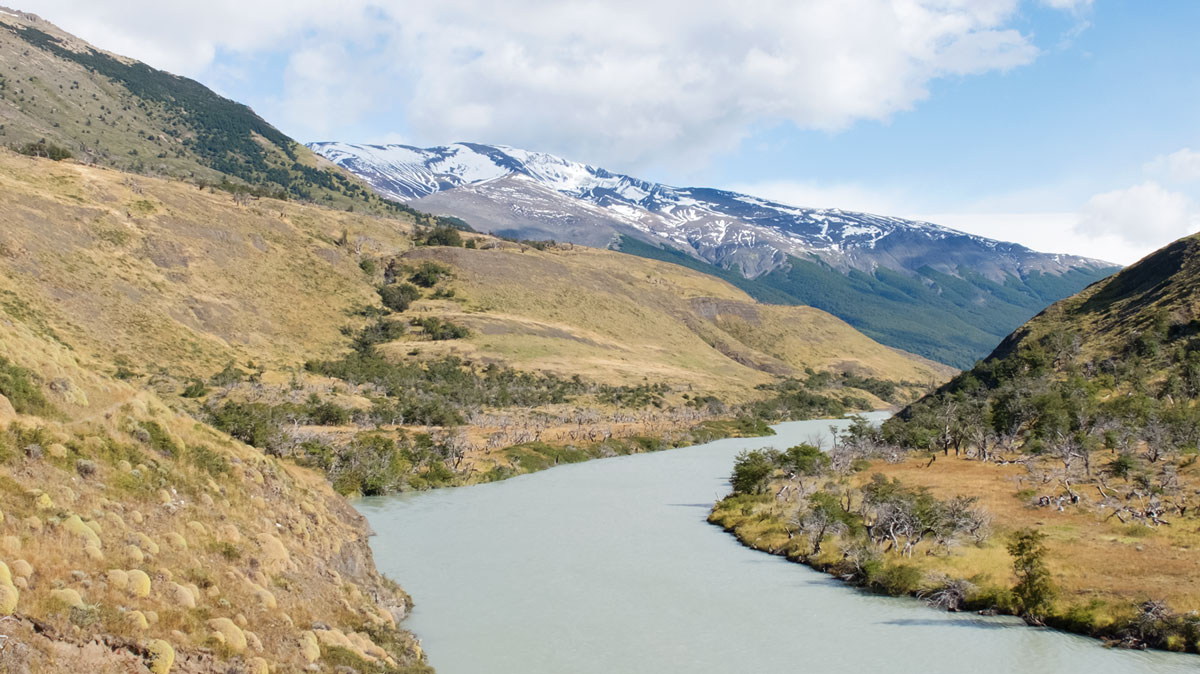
(242, 378)
(174, 352)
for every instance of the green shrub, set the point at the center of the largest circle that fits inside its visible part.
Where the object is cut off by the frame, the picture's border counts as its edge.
(379, 332)
(226, 549)
(252, 423)
(195, 389)
(439, 236)
(44, 150)
(229, 376)
(429, 273)
(207, 460)
(805, 459)
(17, 384)
(324, 413)
(399, 296)
(158, 439)
(371, 465)
(896, 579)
(1034, 592)
(752, 469)
(439, 330)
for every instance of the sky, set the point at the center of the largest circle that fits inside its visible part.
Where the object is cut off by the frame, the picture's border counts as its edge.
(1070, 126)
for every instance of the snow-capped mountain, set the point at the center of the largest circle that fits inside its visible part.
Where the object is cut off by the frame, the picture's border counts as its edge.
(937, 292)
(537, 195)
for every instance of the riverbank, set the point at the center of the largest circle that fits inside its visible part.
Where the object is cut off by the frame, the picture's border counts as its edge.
(532, 457)
(578, 569)
(1128, 584)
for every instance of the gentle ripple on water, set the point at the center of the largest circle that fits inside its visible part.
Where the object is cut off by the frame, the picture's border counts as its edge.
(609, 566)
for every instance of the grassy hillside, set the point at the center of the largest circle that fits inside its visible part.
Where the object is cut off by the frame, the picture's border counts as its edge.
(1078, 436)
(950, 319)
(261, 304)
(182, 280)
(619, 319)
(133, 538)
(57, 91)
(187, 379)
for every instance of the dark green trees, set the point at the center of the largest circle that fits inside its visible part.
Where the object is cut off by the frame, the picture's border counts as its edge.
(1034, 591)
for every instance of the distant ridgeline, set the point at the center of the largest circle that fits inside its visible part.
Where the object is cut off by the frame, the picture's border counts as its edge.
(1115, 367)
(930, 290)
(123, 113)
(947, 318)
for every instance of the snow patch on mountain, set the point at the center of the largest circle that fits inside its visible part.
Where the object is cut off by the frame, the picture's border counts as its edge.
(708, 223)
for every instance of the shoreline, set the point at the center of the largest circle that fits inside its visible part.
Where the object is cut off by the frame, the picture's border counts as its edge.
(722, 515)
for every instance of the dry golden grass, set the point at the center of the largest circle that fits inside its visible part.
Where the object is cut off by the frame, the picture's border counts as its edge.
(215, 531)
(167, 276)
(180, 281)
(1097, 562)
(621, 319)
(1093, 556)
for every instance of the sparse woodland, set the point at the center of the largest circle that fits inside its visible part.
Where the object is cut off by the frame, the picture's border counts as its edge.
(1070, 453)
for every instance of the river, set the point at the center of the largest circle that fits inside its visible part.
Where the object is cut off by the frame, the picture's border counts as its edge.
(610, 567)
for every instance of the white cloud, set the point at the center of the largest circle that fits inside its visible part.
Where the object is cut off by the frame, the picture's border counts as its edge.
(1145, 214)
(1049, 232)
(1120, 226)
(1182, 166)
(1073, 5)
(614, 82)
(1117, 226)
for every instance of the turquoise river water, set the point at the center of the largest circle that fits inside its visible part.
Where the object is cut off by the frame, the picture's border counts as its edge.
(610, 567)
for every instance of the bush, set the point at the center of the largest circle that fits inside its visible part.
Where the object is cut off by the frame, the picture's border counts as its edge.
(428, 274)
(323, 413)
(158, 439)
(806, 460)
(896, 579)
(371, 465)
(16, 384)
(195, 389)
(439, 236)
(207, 460)
(751, 470)
(252, 423)
(1034, 592)
(439, 330)
(399, 296)
(232, 374)
(368, 266)
(44, 150)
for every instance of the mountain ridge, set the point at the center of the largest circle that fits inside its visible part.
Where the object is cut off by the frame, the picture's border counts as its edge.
(58, 90)
(419, 173)
(892, 278)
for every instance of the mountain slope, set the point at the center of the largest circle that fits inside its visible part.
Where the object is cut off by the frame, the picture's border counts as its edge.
(1132, 335)
(58, 90)
(184, 281)
(1078, 435)
(1096, 398)
(136, 539)
(892, 278)
(616, 319)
